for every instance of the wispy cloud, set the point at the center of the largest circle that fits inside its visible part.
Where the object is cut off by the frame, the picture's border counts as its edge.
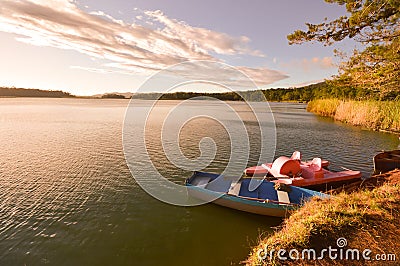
(134, 47)
(203, 40)
(308, 64)
(102, 70)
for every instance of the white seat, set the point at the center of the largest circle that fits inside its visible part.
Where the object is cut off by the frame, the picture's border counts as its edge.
(235, 188)
(283, 196)
(201, 181)
(316, 164)
(279, 163)
(296, 156)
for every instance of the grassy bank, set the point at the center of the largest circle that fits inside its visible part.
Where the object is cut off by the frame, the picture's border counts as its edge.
(377, 115)
(367, 218)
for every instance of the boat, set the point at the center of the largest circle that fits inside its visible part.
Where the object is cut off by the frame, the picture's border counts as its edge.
(262, 170)
(266, 199)
(386, 161)
(311, 175)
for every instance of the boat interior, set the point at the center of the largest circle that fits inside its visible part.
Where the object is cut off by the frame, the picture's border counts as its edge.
(386, 161)
(264, 190)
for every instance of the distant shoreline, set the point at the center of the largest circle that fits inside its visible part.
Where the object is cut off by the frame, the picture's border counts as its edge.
(6, 92)
(99, 98)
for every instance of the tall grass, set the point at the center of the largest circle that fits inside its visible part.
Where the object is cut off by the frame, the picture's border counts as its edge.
(378, 115)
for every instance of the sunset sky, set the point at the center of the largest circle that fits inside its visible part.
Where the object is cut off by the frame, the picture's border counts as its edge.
(94, 46)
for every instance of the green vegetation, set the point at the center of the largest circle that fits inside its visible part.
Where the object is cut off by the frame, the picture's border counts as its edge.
(18, 92)
(366, 218)
(112, 96)
(373, 23)
(321, 90)
(325, 90)
(378, 115)
(228, 96)
(308, 93)
(372, 74)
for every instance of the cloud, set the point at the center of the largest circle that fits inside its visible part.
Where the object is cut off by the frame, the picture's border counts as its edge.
(203, 39)
(102, 70)
(102, 14)
(135, 47)
(236, 78)
(325, 62)
(311, 64)
(263, 76)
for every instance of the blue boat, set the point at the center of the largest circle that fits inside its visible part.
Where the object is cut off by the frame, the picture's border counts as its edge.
(267, 199)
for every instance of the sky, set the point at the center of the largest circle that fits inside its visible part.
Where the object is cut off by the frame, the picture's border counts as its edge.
(90, 47)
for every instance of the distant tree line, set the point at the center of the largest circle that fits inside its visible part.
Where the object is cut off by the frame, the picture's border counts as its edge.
(113, 96)
(228, 96)
(323, 90)
(18, 92)
(326, 90)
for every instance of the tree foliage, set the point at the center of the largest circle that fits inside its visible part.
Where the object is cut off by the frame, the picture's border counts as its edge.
(369, 21)
(19, 92)
(374, 23)
(112, 96)
(377, 67)
(322, 90)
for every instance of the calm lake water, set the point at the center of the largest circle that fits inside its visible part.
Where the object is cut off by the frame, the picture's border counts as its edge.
(68, 198)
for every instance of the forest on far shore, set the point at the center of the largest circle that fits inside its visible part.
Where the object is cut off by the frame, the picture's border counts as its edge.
(19, 92)
(322, 90)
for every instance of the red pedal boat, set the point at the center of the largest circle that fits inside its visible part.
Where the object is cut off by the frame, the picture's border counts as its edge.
(261, 170)
(312, 174)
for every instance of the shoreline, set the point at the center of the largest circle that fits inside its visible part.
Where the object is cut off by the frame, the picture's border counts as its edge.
(382, 116)
(389, 131)
(141, 99)
(365, 214)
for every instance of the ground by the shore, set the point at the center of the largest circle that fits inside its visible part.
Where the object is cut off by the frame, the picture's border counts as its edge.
(362, 216)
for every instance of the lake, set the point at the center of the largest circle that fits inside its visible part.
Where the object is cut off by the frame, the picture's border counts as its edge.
(68, 197)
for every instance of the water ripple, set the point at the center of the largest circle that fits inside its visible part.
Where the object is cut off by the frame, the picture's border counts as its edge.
(68, 197)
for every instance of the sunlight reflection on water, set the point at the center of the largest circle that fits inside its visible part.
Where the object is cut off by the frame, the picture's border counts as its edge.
(68, 196)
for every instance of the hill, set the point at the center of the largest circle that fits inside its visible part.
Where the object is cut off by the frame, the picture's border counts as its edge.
(19, 92)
